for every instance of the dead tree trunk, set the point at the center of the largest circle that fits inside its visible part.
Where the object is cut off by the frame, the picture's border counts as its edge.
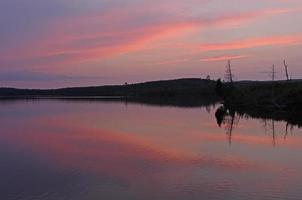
(228, 72)
(286, 70)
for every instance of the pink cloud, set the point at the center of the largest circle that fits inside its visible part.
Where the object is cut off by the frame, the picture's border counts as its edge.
(93, 37)
(253, 42)
(224, 57)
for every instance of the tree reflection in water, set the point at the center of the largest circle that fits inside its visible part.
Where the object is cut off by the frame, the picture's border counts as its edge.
(229, 119)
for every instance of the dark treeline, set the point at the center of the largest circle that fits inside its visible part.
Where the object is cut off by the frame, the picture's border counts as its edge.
(171, 88)
(265, 100)
(264, 95)
(285, 95)
(280, 100)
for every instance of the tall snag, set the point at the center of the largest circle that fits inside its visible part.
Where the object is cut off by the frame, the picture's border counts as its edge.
(286, 70)
(228, 73)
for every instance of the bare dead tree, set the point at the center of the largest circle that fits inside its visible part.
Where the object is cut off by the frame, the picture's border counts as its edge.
(228, 73)
(286, 70)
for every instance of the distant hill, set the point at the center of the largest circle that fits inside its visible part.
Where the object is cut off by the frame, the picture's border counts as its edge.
(164, 88)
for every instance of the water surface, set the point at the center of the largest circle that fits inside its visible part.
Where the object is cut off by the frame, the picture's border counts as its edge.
(86, 150)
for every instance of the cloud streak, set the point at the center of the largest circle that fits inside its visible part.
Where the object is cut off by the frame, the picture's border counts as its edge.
(254, 42)
(223, 58)
(90, 34)
(70, 46)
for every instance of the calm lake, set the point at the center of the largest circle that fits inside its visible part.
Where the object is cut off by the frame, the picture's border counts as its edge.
(88, 150)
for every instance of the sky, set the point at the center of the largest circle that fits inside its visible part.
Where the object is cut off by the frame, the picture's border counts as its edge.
(60, 43)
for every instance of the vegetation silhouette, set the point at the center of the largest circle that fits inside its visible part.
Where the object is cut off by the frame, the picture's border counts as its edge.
(279, 100)
(265, 100)
(192, 92)
(229, 117)
(193, 87)
(266, 96)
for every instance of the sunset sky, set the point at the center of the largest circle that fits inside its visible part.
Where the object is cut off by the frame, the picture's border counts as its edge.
(59, 43)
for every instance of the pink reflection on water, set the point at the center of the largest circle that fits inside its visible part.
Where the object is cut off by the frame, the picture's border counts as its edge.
(148, 145)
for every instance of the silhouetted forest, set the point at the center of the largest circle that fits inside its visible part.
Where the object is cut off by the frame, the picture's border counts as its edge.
(266, 100)
(265, 95)
(170, 88)
(258, 98)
